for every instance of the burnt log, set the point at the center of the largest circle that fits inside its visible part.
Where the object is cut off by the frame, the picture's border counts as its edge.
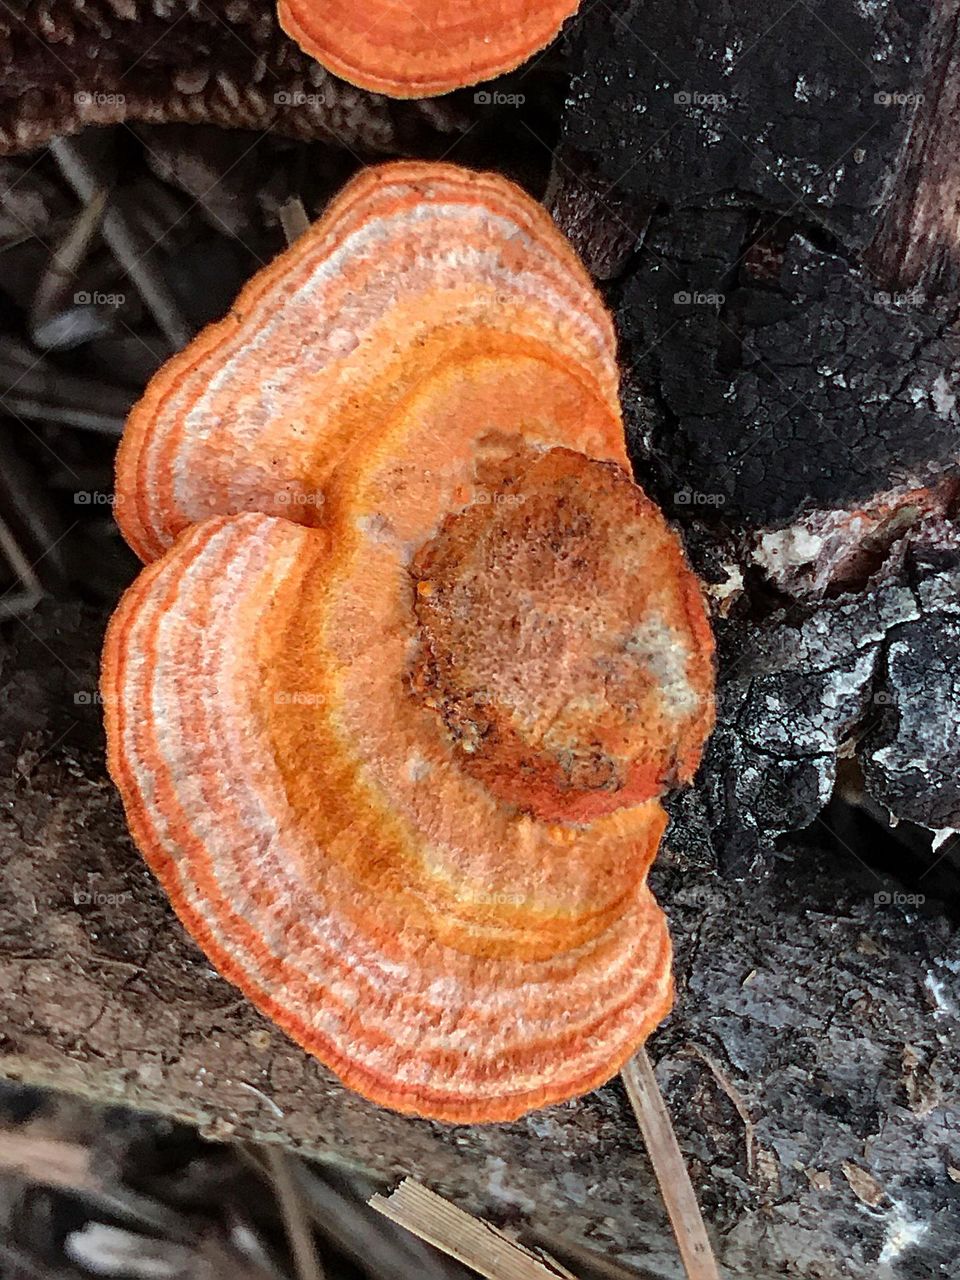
(769, 192)
(774, 144)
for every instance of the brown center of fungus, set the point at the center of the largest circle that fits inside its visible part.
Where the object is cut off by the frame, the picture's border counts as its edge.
(557, 640)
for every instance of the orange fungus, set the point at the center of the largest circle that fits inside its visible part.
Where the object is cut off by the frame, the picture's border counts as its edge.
(392, 707)
(419, 48)
(417, 270)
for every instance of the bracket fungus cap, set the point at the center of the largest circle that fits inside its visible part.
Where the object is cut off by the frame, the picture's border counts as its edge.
(415, 268)
(444, 954)
(289, 688)
(422, 47)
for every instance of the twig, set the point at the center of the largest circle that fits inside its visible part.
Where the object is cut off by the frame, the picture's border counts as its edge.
(59, 277)
(293, 219)
(49, 1161)
(384, 1250)
(39, 391)
(595, 1264)
(735, 1097)
(295, 1217)
(470, 1240)
(79, 171)
(68, 1166)
(389, 1253)
(667, 1160)
(34, 410)
(11, 550)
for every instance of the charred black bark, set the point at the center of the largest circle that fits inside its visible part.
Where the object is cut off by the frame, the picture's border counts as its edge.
(778, 106)
(787, 319)
(801, 391)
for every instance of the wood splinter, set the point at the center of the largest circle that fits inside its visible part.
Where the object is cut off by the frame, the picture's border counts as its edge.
(472, 1241)
(670, 1168)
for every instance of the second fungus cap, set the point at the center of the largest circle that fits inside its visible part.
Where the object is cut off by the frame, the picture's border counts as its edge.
(415, 271)
(396, 755)
(419, 48)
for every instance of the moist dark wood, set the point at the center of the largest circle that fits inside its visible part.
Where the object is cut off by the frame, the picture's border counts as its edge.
(830, 1016)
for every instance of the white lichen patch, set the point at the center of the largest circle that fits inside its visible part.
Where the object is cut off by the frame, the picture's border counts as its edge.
(902, 1233)
(787, 548)
(666, 654)
(943, 397)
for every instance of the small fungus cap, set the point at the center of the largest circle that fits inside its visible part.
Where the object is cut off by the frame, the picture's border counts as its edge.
(418, 48)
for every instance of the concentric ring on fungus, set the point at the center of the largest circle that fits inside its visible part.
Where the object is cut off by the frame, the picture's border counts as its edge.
(422, 47)
(413, 264)
(459, 934)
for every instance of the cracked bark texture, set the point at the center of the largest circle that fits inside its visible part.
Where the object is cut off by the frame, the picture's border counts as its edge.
(871, 675)
(811, 1064)
(768, 191)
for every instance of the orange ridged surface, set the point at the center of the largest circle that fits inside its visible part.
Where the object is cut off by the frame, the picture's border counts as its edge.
(468, 970)
(422, 47)
(413, 265)
(458, 925)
